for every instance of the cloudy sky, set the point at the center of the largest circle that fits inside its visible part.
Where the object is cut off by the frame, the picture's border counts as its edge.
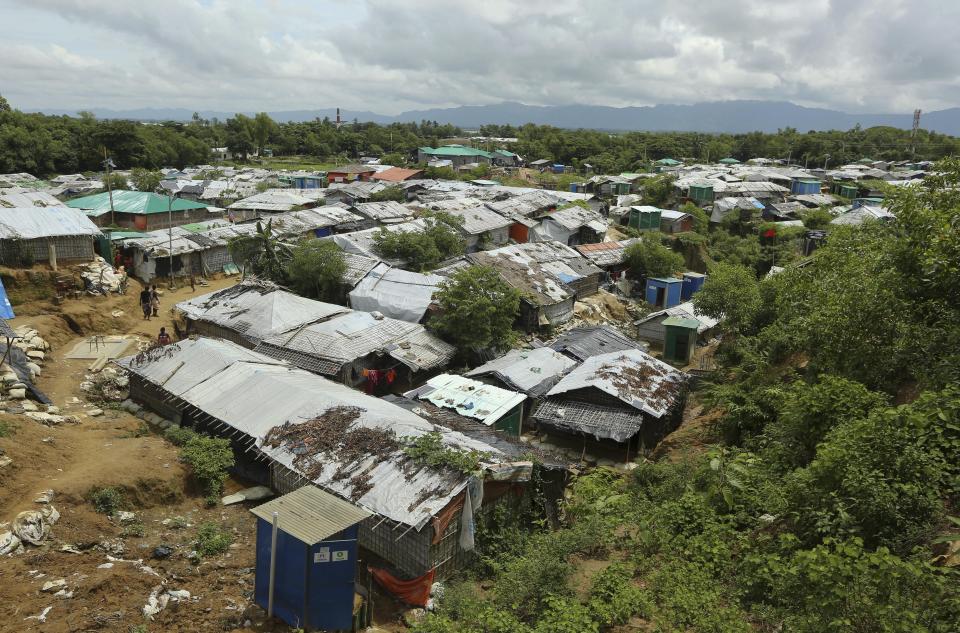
(388, 56)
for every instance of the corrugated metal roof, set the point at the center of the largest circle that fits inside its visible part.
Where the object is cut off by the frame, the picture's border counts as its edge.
(38, 222)
(389, 210)
(351, 335)
(574, 217)
(28, 199)
(256, 396)
(138, 202)
(583, 342)
(468, 397)
(257, 310)
(635, 378)
(310, 515)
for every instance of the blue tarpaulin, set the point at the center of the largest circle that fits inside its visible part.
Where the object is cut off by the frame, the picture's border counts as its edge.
(6, 310)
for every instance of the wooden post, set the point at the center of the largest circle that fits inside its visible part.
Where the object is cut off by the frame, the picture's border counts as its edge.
(52, 255)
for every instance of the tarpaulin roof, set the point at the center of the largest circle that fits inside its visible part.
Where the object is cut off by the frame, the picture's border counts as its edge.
(256, 395)
(138, 202)
(531, 371)
(468, 397)
(37, 222)
(395, 293)
(635, 378)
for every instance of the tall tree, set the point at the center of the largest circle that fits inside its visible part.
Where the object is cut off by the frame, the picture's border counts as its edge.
(477, 310)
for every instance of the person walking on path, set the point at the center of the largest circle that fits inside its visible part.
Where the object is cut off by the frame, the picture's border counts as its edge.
(146, 299)
(155, 301)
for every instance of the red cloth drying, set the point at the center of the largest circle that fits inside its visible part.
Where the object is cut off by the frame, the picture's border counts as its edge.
(415, 592)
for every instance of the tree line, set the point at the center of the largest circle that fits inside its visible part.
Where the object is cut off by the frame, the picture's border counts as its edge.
(43, 145)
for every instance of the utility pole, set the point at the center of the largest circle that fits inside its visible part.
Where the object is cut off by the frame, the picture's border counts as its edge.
(913, 133)
(169, 193)
(108, 165)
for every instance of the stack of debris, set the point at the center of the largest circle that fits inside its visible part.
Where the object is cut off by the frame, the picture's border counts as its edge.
(35, 349)
(30, 527)
(99, 277)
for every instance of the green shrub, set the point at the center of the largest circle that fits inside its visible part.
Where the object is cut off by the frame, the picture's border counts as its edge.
(614, 598)
(179, 435)
(6, 428)
(106, 500)
(209, 459)
(212, 540)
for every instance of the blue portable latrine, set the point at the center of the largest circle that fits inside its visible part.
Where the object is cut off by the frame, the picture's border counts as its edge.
(692, 283)
(663, 292)
(315, 562)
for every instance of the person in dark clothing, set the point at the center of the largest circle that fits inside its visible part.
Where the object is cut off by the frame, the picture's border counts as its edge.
(146, 298)
(163, 338)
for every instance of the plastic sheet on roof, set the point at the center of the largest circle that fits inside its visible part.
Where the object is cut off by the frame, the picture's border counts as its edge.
(395, 293)
(39, 222)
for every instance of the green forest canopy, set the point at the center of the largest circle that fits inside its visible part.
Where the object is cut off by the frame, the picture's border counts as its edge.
(44, 145)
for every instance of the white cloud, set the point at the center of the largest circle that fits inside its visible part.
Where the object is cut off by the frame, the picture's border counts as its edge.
(391, 55)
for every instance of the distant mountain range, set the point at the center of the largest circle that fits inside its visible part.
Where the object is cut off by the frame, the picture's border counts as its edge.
(717, 116)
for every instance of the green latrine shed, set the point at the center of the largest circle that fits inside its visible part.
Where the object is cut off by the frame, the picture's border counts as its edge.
(701, 194)
(844, 189)
(680, 339)
(645, 218)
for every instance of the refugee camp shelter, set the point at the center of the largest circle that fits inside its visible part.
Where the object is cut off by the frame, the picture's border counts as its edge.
(388, 212)
(493, 406)
(620, 396)
(272, 411)
(142, 210)
(580, 343)
(396, 293)
(361, 349)
(681, 339)
(675, 221)
(571, 225)
(663, 292)
(530, 371)
(546, 299)
(314, 564)
(651, 327)
(252, 311)
(610, 256)
(41, 234)
(481, 227)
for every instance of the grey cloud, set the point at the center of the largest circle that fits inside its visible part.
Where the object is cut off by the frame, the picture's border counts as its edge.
(389, 55)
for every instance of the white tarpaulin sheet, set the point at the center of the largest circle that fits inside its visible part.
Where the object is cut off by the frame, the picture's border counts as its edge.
(396, 293)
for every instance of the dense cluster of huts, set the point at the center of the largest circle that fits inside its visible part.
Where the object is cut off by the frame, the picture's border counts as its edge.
(334, 394)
